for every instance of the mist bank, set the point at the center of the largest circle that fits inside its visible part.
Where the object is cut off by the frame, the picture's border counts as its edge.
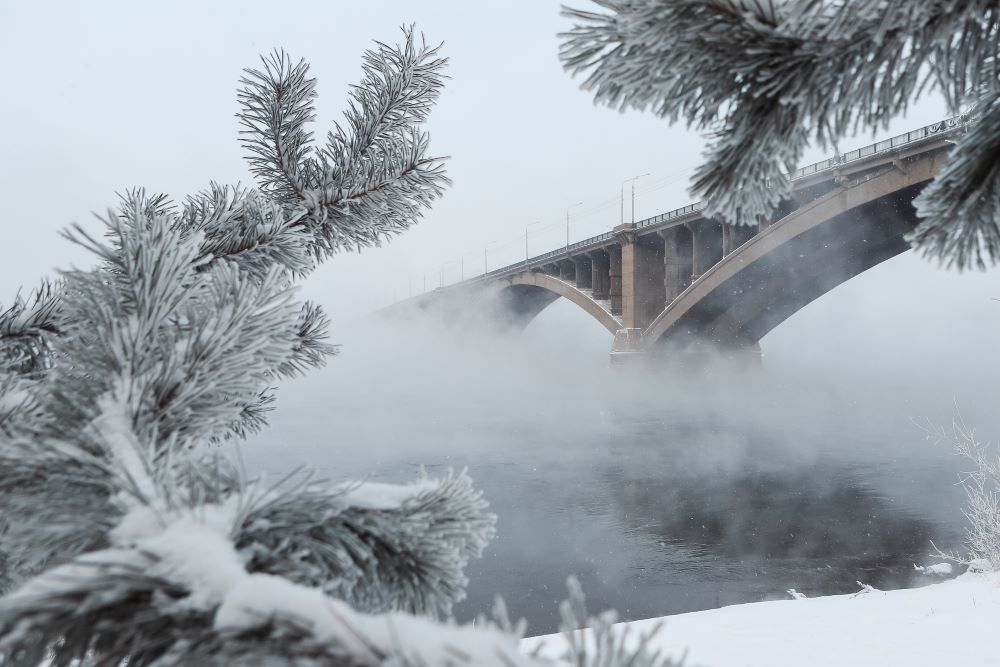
(666, 491)
(904, 340)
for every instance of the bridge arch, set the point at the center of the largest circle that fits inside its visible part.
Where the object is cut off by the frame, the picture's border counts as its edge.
(796, 260)
(723, 285)
(524, 295)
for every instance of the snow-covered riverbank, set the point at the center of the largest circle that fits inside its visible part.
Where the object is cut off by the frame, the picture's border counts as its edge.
(950, 623)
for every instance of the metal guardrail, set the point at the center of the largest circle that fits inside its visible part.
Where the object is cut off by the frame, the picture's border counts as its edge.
(670, 215)
(928, 131)
(934, 129)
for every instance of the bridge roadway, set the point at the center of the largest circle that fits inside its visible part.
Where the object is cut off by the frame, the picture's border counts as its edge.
(681, 278)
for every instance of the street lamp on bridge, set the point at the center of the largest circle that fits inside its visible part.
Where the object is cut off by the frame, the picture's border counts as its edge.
(486, 256)
(461, 262)
(579, 203)
(627, 180)
(532, 224)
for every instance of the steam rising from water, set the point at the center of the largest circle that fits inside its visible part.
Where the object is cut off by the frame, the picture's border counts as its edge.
(667, 493)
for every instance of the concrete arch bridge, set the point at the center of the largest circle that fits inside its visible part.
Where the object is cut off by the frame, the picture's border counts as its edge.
(683, 279)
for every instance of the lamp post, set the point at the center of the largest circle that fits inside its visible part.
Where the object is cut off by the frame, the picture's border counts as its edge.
(536, 222)
(486, 256)
(449, 263)
(579, 203)
(633, 194)
(622, 196)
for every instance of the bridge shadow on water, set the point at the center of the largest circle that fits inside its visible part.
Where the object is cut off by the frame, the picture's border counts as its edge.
(651, 529)
(802, 516)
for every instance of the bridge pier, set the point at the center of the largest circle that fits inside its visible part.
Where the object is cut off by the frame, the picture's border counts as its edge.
(615, 273)
(584, 272)
(567, 270)
(642, 278)
(686, 355)
(600, 264)
(695, 356)
(676, 262)
(706, 246)
(733, 236)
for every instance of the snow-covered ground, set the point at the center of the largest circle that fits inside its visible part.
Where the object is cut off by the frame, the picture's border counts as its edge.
(950, 623)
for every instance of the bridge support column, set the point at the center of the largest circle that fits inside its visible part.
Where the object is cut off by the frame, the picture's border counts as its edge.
(733, 236)
(676, 262)
(642, 278)
(567, 270)
(600, 265)
(584, 272)
(615, 273)
(706, 243)
(740, 234)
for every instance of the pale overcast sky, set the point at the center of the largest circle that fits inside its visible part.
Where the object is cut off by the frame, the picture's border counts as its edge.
(101, 96)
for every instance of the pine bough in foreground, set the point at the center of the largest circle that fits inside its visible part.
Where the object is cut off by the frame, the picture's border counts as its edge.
(129, 538)
(764, 77)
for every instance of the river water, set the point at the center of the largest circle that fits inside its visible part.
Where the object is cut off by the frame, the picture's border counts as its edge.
(662, 493)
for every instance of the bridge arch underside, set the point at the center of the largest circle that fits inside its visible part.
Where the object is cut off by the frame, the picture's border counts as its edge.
(520, 300)
(751, 295)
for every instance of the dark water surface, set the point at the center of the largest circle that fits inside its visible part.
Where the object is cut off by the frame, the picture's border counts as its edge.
(663, 494)
(650, 533)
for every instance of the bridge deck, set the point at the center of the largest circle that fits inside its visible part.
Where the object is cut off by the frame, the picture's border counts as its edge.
(843, 166)
(682, 277)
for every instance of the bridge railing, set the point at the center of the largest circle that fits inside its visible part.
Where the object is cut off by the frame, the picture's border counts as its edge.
(670, 215)
(934, 129)
(925, 132)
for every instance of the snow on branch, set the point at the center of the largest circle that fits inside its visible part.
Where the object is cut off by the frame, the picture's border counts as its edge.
(133, 545)
(961, 207)
(183, 583)
(161, 323)
(248, 229)
(277, 103)
(189, 318)
(374, 177)
(56, 500)
(379, 547)
(25, 329)
(143, 608)
(764, 78)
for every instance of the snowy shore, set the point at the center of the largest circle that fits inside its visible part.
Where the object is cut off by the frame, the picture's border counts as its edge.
(949, 623)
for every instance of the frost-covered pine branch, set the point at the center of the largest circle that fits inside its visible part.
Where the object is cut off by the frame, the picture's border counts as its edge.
(374, 176)
(961, 206)
(25, 327)
(128, 536)
(116, 382)
(766, 77)
(202, 567)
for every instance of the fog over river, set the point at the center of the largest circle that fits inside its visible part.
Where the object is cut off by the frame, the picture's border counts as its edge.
(667, 493)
